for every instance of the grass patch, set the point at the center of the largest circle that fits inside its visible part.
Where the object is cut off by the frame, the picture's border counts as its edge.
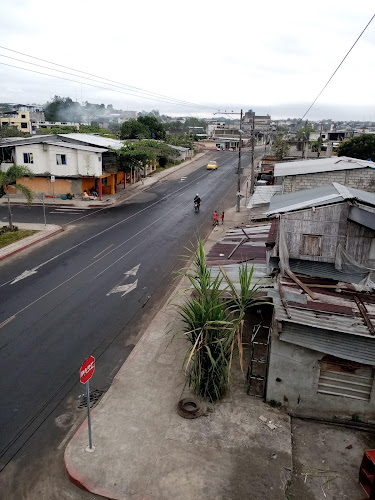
(9, 238)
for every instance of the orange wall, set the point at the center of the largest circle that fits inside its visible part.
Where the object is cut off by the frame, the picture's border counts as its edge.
(44, 185)
(88, 183)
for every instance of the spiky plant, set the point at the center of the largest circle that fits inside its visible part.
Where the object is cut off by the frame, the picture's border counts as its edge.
(214, 325)
(242, 300)
(9, 178)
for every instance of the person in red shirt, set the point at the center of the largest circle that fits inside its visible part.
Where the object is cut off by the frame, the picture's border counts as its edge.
(216, 220)
(222, 217)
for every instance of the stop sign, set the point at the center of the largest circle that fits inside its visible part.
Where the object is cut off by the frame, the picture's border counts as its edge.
(87, 369)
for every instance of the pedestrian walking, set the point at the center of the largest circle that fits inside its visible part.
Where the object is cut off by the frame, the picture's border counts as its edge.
(216, 220)
(222, 217)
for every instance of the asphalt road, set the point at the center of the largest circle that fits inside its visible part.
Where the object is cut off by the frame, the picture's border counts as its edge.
(92, 289)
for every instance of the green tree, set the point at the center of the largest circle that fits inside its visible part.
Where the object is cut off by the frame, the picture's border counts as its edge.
(184, 140)
(362, 147)
(133, 129)
(156, 128)
(280, 148)
(11, 132)
(303, 134)
(9, 178)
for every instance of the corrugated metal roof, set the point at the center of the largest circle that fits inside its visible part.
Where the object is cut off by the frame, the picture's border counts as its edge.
(95, 140)
(330, 311)
(320, 165)
(341, 345)
(252, 251)
(325, 270)
(263, 194)
(75, 146)
(319, 196)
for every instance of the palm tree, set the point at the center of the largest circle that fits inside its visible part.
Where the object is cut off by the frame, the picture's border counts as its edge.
(9, 178)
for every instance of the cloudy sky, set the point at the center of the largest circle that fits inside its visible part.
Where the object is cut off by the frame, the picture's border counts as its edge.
(273, 57)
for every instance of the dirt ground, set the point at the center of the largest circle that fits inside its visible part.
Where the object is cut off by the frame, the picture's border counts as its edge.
(326, 461)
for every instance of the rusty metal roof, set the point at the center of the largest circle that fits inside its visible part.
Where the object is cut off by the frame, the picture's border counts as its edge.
(332, 310)
(252, 250)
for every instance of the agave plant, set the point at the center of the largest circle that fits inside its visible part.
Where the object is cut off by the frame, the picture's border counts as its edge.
(213, 326)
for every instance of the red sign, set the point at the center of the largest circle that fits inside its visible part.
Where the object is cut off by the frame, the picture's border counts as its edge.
(87, 369)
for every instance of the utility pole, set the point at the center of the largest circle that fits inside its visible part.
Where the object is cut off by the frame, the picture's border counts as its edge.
(239, 157)
(239, 168)
(252, 155)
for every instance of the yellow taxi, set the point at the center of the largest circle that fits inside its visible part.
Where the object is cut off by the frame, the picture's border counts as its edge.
(212, 165)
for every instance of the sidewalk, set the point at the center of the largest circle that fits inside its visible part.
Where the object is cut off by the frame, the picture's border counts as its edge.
(107, 200)
(145, 450)
(43, 233)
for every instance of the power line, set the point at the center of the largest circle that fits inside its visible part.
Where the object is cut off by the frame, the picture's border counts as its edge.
(338, 67)
(178, 101)
(91, 79)
(100, 87)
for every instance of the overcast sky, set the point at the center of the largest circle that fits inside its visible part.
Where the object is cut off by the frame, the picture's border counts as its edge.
(273, 57)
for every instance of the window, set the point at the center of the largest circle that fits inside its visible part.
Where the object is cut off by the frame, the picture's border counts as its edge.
(23, 125)
(61, 159)
(28, 158)
(23, 116)
(340, 377)
(311, 244)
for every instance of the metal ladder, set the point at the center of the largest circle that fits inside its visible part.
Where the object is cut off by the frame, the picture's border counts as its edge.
(257, 382)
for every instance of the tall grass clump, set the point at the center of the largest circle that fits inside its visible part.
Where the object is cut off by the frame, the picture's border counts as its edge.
(213, 326)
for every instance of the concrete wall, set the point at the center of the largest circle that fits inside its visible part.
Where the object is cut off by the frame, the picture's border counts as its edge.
(298, 370)
(44, 185)
(360, 178)
(78, 162)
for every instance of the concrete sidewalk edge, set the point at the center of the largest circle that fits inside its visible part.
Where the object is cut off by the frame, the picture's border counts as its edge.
(76, 477)
(14, 250)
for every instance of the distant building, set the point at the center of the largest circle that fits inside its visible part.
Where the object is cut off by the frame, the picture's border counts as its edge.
(306, 174)
(18, 119)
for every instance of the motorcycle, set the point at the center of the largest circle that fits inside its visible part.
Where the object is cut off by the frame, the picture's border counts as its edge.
(196, 206)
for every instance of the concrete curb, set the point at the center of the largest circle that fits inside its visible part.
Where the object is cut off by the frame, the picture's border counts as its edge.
(82, 481)
(137, 188)
(13, 251)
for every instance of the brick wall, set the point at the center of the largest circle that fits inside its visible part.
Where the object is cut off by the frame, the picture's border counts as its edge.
(359, 178)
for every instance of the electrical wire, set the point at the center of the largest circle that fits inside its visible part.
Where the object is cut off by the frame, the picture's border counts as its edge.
(153, 94)
(338, 67)
(100, 87)
(91, 79)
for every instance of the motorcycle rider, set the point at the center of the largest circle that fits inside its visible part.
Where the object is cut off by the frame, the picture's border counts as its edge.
(197, 200)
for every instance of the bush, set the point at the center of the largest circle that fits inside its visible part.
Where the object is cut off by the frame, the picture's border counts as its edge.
(7, 229)
(163, 160)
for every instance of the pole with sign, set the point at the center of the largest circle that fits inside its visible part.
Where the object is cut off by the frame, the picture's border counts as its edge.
(85, 373)
(44, 209)
(53, 187)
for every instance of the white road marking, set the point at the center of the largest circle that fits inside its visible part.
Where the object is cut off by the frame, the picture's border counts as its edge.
(133, 271)
(25, 274)
(63, 213)
(97, 255)
(107, 229)
(124, 288)
(183, 178)
(72, 209)
(7, 321)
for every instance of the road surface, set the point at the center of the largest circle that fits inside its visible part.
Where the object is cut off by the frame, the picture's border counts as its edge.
(87, 292)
